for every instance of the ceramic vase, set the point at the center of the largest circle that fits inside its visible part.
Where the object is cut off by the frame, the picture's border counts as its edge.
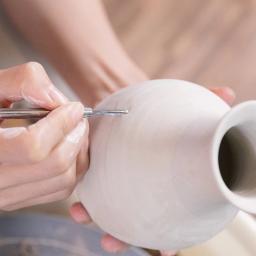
(174, 171)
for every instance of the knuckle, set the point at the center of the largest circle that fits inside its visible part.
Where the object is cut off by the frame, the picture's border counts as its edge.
(31, 69)
(34, 71)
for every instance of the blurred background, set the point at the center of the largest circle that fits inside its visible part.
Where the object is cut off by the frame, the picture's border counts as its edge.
(212, 43)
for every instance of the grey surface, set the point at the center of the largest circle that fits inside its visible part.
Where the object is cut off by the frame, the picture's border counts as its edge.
(46, 235)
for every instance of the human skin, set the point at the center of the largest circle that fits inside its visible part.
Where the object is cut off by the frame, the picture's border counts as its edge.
(38, 162)
(78, 40)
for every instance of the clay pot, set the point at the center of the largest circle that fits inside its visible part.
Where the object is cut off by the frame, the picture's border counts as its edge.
(175, 170)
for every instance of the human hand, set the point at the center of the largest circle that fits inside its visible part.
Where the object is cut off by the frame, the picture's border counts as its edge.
(38, 163)
(90, 58)
(111, 244)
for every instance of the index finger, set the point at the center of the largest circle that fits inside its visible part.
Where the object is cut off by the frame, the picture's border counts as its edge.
(33, 144)
(30, 82)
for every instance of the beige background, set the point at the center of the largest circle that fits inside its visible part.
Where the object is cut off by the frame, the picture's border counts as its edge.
(210, 42)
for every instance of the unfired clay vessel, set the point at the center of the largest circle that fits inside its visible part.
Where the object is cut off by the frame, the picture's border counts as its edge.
(175, 170)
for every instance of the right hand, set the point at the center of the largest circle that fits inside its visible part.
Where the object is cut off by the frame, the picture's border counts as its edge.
(38, 162)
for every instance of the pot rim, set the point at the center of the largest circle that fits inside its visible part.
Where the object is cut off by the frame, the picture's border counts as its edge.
(241, 113)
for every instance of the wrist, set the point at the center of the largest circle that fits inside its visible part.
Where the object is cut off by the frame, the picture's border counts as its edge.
(95, 78)
(84, 50)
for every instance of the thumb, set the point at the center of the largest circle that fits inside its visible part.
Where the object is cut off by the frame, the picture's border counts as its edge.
(226, 93)
(31, 83)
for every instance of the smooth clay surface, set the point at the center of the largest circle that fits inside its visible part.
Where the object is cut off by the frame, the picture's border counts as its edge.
(150, 181)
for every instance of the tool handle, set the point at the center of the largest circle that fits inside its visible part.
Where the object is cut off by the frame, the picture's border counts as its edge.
(37, 113)
(9, 113)
(31, 113)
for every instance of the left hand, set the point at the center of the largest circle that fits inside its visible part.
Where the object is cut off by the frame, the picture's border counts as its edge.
(111, 244)
(38, 162)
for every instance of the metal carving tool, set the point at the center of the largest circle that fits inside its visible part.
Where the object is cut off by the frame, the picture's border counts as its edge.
(37, 113)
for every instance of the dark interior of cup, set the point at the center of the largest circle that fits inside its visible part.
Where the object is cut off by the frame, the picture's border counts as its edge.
(45, 235)
(237, 159)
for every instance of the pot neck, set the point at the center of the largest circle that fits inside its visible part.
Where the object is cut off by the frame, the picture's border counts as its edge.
(234, 156)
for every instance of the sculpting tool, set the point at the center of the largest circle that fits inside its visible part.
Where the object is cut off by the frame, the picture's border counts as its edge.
(30, 113)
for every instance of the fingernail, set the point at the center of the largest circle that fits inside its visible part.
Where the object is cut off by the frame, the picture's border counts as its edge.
(80, 214)
(76, 134)
(75, 110)
(57, 96)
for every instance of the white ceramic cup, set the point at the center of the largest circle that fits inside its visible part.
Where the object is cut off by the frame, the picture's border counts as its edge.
(175, 170)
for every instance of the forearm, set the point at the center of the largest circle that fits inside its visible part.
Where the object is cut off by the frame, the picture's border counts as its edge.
(78, 39)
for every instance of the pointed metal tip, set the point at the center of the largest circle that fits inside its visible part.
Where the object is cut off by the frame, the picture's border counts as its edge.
(104, 112)
(121, 112)
(111, 112)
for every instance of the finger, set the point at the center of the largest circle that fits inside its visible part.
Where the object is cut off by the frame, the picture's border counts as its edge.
(226, 93)
(62, 159)
(83, 157)
(57, 196)
(22, 193)
(57, 163)
(30, 82)
(112, 245)
(4, 104)
(33, 144)
(79, 213)
(168, 253)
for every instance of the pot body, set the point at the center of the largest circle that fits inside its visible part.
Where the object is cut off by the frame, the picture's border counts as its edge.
(151, 180)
